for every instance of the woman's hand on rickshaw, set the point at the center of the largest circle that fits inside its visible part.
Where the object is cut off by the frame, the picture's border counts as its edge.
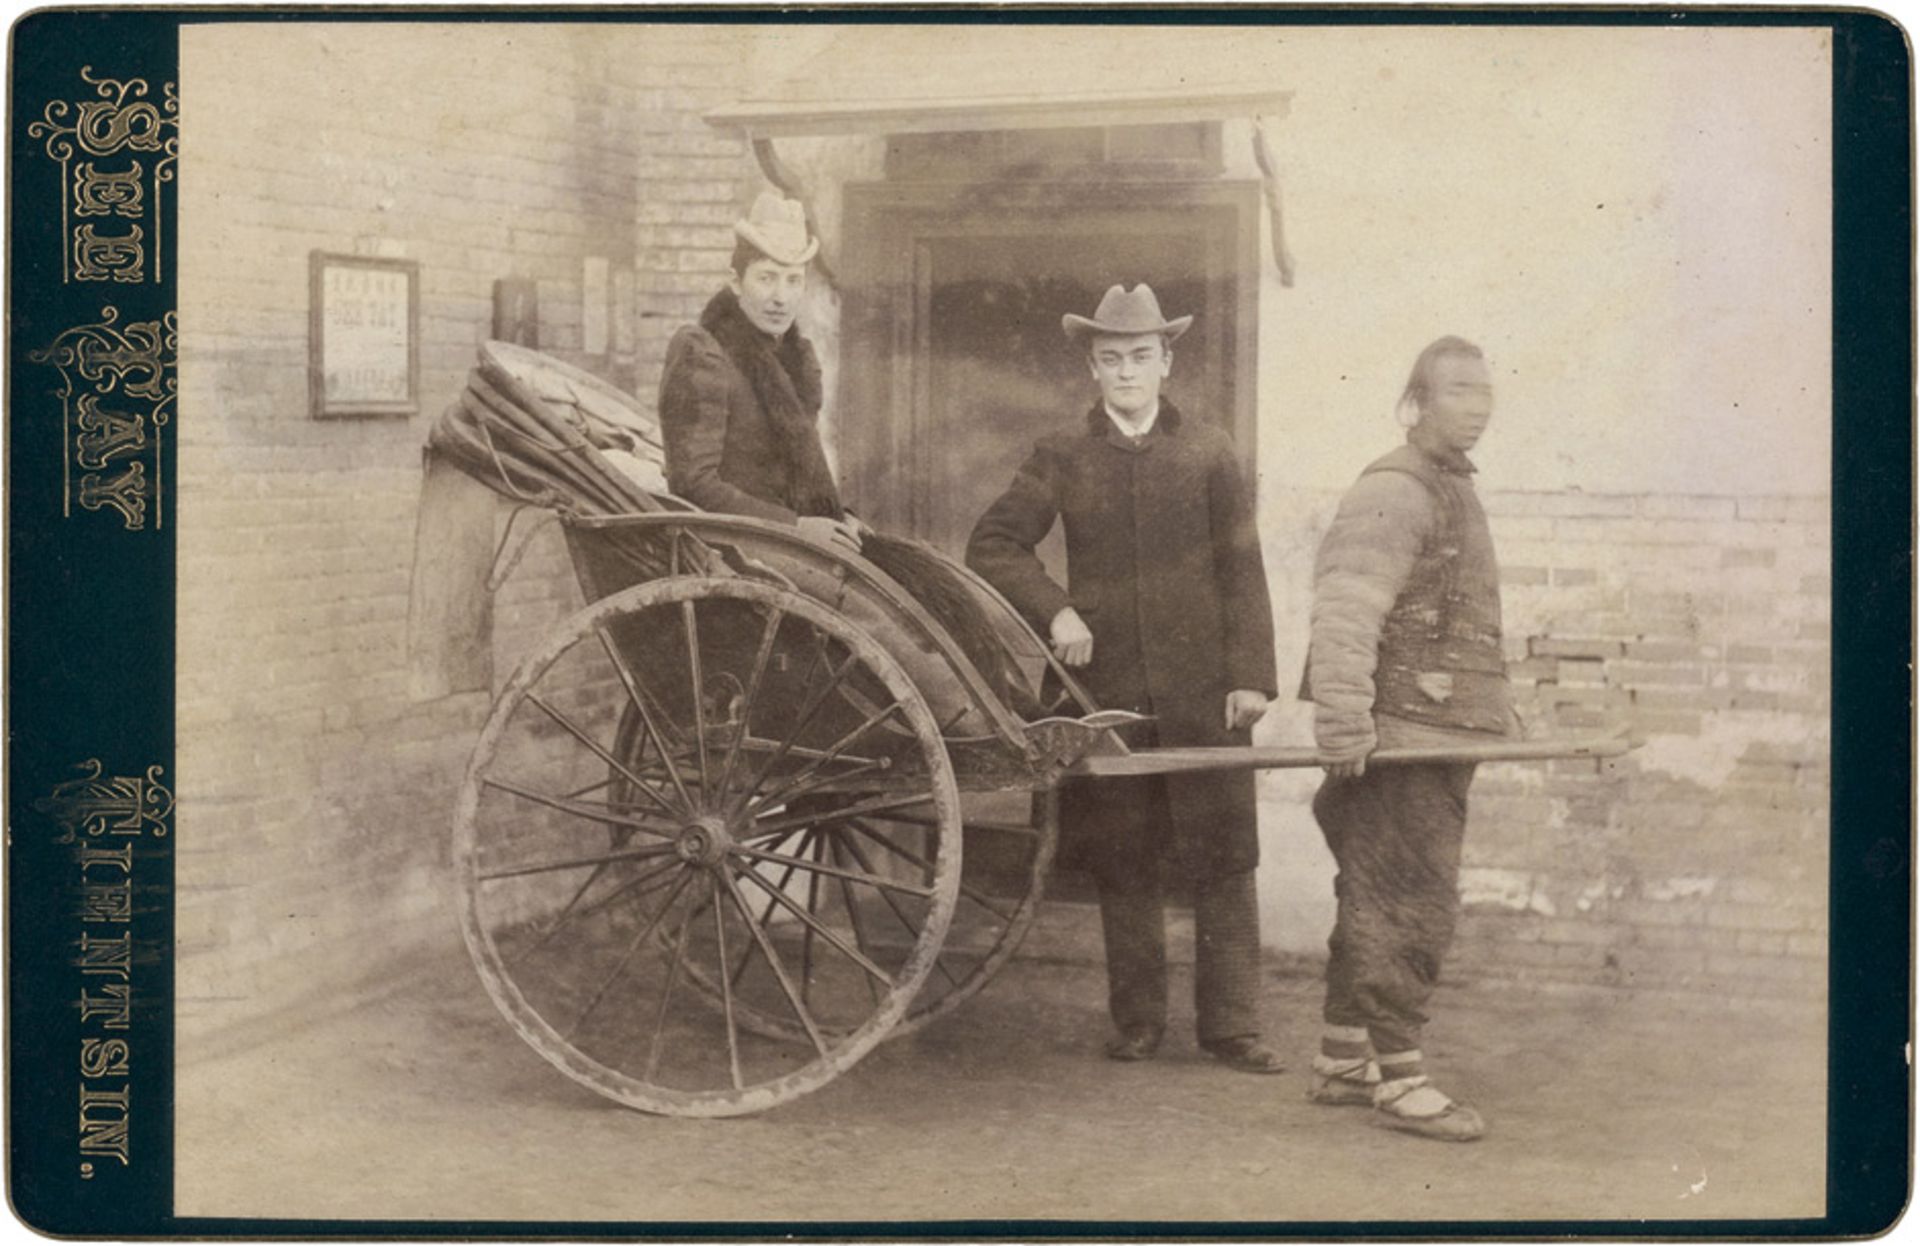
(841, 532)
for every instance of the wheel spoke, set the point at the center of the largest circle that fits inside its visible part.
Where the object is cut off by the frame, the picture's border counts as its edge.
(561, 918)
(573, 729)
(860, 858)
(807, 713)
(756, 744)
(970, 892)
(592, 811)
(853, 916)
(620, 966)
(839, 746)
(775, 617)
(856, 810)
(699, 701)
(772, 956)
(851, 953)
(574, 863)
(635, 887)
(839, 776)
(806, 935)
(594, 786)
(726, 987)
(871, 880)
(766, 915)
(666, 992)
(638, 696)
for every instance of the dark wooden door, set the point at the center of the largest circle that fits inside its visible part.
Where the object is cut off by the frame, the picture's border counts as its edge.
(953, 358)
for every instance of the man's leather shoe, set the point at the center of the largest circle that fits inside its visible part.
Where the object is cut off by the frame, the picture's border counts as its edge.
(1134, 1045)
(1246, 1055)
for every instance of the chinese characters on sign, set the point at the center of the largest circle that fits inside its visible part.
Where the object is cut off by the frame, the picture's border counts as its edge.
(364, 326)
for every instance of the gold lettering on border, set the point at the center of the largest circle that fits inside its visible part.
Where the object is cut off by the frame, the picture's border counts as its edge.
(107, 902)
(108, 360)
(104, 1057)
(122, 805)
(120, 857)
(96, 258)
(103, 817)
(104, 1117)
(106, 435)
(117, 192)
(113, 1007)
(120, 119)
(107, 957)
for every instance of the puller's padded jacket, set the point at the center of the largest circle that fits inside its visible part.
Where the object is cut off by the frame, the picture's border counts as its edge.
(1406, 611)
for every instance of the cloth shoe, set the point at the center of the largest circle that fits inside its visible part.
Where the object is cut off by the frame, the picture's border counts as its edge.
(1245, 1055)
(1343, 1083)
(1134, 1045)
(1412, 1105)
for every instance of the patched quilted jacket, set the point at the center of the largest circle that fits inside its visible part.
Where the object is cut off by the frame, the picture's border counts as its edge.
(1406, 606)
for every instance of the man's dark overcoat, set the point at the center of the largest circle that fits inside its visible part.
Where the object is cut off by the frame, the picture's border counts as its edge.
(1163, 564)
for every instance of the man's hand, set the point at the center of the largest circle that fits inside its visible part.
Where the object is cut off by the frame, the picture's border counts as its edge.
(1347, 769)
(1072, 641)
(1245, 708)
(830, 531)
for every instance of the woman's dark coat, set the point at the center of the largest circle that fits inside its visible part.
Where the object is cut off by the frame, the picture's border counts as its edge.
(1163, 564)
(739, 414)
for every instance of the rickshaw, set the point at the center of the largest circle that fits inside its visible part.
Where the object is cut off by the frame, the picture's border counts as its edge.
(757, 806)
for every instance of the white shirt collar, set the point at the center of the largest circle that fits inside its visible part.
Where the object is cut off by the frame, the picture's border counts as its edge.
(1130, 427)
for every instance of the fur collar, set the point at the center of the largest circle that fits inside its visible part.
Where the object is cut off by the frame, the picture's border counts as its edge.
(784, 373)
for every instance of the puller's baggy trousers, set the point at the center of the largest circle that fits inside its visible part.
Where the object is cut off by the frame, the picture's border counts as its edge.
(1395, 833)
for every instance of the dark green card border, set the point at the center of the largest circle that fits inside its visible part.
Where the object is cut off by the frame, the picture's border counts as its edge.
(89, 670)
(90, 662)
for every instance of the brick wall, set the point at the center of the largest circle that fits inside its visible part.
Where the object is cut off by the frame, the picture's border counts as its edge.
(1697, 862)
(1700, 861)
(315, 791)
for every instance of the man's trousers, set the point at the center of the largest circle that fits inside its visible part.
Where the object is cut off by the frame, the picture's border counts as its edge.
(1226, 953)
(1395, 833)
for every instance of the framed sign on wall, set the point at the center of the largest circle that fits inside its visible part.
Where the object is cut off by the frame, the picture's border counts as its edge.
(363, 336)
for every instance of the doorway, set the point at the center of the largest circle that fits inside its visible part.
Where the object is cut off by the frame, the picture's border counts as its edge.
(953, 358)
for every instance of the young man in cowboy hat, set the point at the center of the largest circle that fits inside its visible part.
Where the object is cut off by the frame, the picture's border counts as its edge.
(1165, 613)
(740, 393)
(1406, 653)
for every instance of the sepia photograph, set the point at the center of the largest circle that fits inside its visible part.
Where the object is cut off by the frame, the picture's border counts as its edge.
(808, 622)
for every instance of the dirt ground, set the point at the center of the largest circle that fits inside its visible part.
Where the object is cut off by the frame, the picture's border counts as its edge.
(1601, 1106)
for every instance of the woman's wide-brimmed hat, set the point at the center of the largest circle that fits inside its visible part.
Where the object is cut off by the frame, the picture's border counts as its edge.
(1125, 313)
(777, 228)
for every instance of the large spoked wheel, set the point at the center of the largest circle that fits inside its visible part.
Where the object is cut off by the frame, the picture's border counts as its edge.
(674, 913)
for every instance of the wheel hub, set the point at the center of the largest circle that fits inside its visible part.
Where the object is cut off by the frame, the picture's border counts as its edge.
(704, 841)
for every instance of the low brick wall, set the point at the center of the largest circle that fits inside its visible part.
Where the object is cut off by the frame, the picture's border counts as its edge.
(1700, 861)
